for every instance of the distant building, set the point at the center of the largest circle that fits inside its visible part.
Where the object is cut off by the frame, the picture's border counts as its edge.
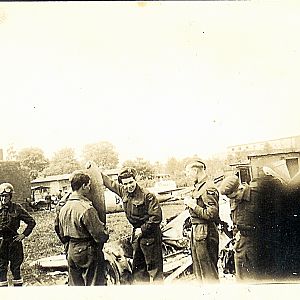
(284, 162)
(51, 184)
(54, 183)
(289, 143)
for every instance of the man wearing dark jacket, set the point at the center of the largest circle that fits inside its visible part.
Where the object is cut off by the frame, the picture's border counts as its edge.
(11, 248)
(244, 214)
(145, 215)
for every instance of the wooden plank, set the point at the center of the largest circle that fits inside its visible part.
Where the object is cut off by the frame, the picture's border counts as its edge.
(180, 270)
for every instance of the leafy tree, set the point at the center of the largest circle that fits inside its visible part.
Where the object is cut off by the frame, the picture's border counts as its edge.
(63, 162)
(11, 153)
(33, 160)
(238, 157)
(215, 166)
(102, 153)
(173, 166)
(158, 167)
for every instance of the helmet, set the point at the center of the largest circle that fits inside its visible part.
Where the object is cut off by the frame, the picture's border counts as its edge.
(6, 188)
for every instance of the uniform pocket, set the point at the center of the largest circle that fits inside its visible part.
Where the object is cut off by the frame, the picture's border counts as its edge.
(80, 249)
(150, 251)
(138, 209)
(147, 241)
(81, 255)
(200, 232)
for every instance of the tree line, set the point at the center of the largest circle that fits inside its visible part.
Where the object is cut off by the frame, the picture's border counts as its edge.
(104, 154)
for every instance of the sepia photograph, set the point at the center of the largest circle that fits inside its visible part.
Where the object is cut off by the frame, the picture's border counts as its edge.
(149, 149)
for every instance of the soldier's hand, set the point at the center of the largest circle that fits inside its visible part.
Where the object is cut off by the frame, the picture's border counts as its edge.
(138, 231)
(238, 236)
(19, 237)
(190, 202)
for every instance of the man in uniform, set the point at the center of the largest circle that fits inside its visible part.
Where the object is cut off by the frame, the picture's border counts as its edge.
(145, 215)
(48, 200)
(204, 210)
(11, 248)
(83, 234)
(244, 208)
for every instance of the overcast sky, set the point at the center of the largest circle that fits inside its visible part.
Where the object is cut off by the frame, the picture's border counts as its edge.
(156, 79)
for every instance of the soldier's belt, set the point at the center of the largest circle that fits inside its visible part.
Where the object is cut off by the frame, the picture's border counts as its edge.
(77, 240)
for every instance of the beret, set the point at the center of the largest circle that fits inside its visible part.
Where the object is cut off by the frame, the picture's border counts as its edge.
(229, 185)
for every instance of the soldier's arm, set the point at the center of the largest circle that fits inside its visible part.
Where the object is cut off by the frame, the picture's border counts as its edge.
(94, 226)
(112, 185)
(154, 211)
(56, 228)
(27, 219)
(211, 200)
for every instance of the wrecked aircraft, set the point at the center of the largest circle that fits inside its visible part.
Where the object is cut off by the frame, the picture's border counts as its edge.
(118, 254)
(177, 259)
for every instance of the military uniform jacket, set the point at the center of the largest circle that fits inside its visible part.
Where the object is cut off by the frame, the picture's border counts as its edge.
(244, 212)
(11, 216)
(141, 207)
(206, 213)
(78, 219)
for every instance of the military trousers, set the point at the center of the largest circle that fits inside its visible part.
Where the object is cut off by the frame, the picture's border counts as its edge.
(85, 264)
(205, 253)
(12, 256)
(245, 257)
(147, 258)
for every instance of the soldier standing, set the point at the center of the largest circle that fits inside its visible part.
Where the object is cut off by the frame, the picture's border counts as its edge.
(48, 200)
(145, 215)
(244, 207)
(11, 248)
(83, 234)
(204, 210)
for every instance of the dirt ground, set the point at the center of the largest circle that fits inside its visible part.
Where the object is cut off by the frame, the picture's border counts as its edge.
(43, 242)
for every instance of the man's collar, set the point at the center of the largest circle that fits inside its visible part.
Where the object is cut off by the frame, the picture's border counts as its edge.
(134, 193)
(199, 184)
(77, 196)
(7, 205)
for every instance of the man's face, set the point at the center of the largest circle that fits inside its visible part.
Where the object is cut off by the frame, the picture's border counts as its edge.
(191, 173)
(129, 184)
(5, 198)
(86, 188)
(196, 173)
